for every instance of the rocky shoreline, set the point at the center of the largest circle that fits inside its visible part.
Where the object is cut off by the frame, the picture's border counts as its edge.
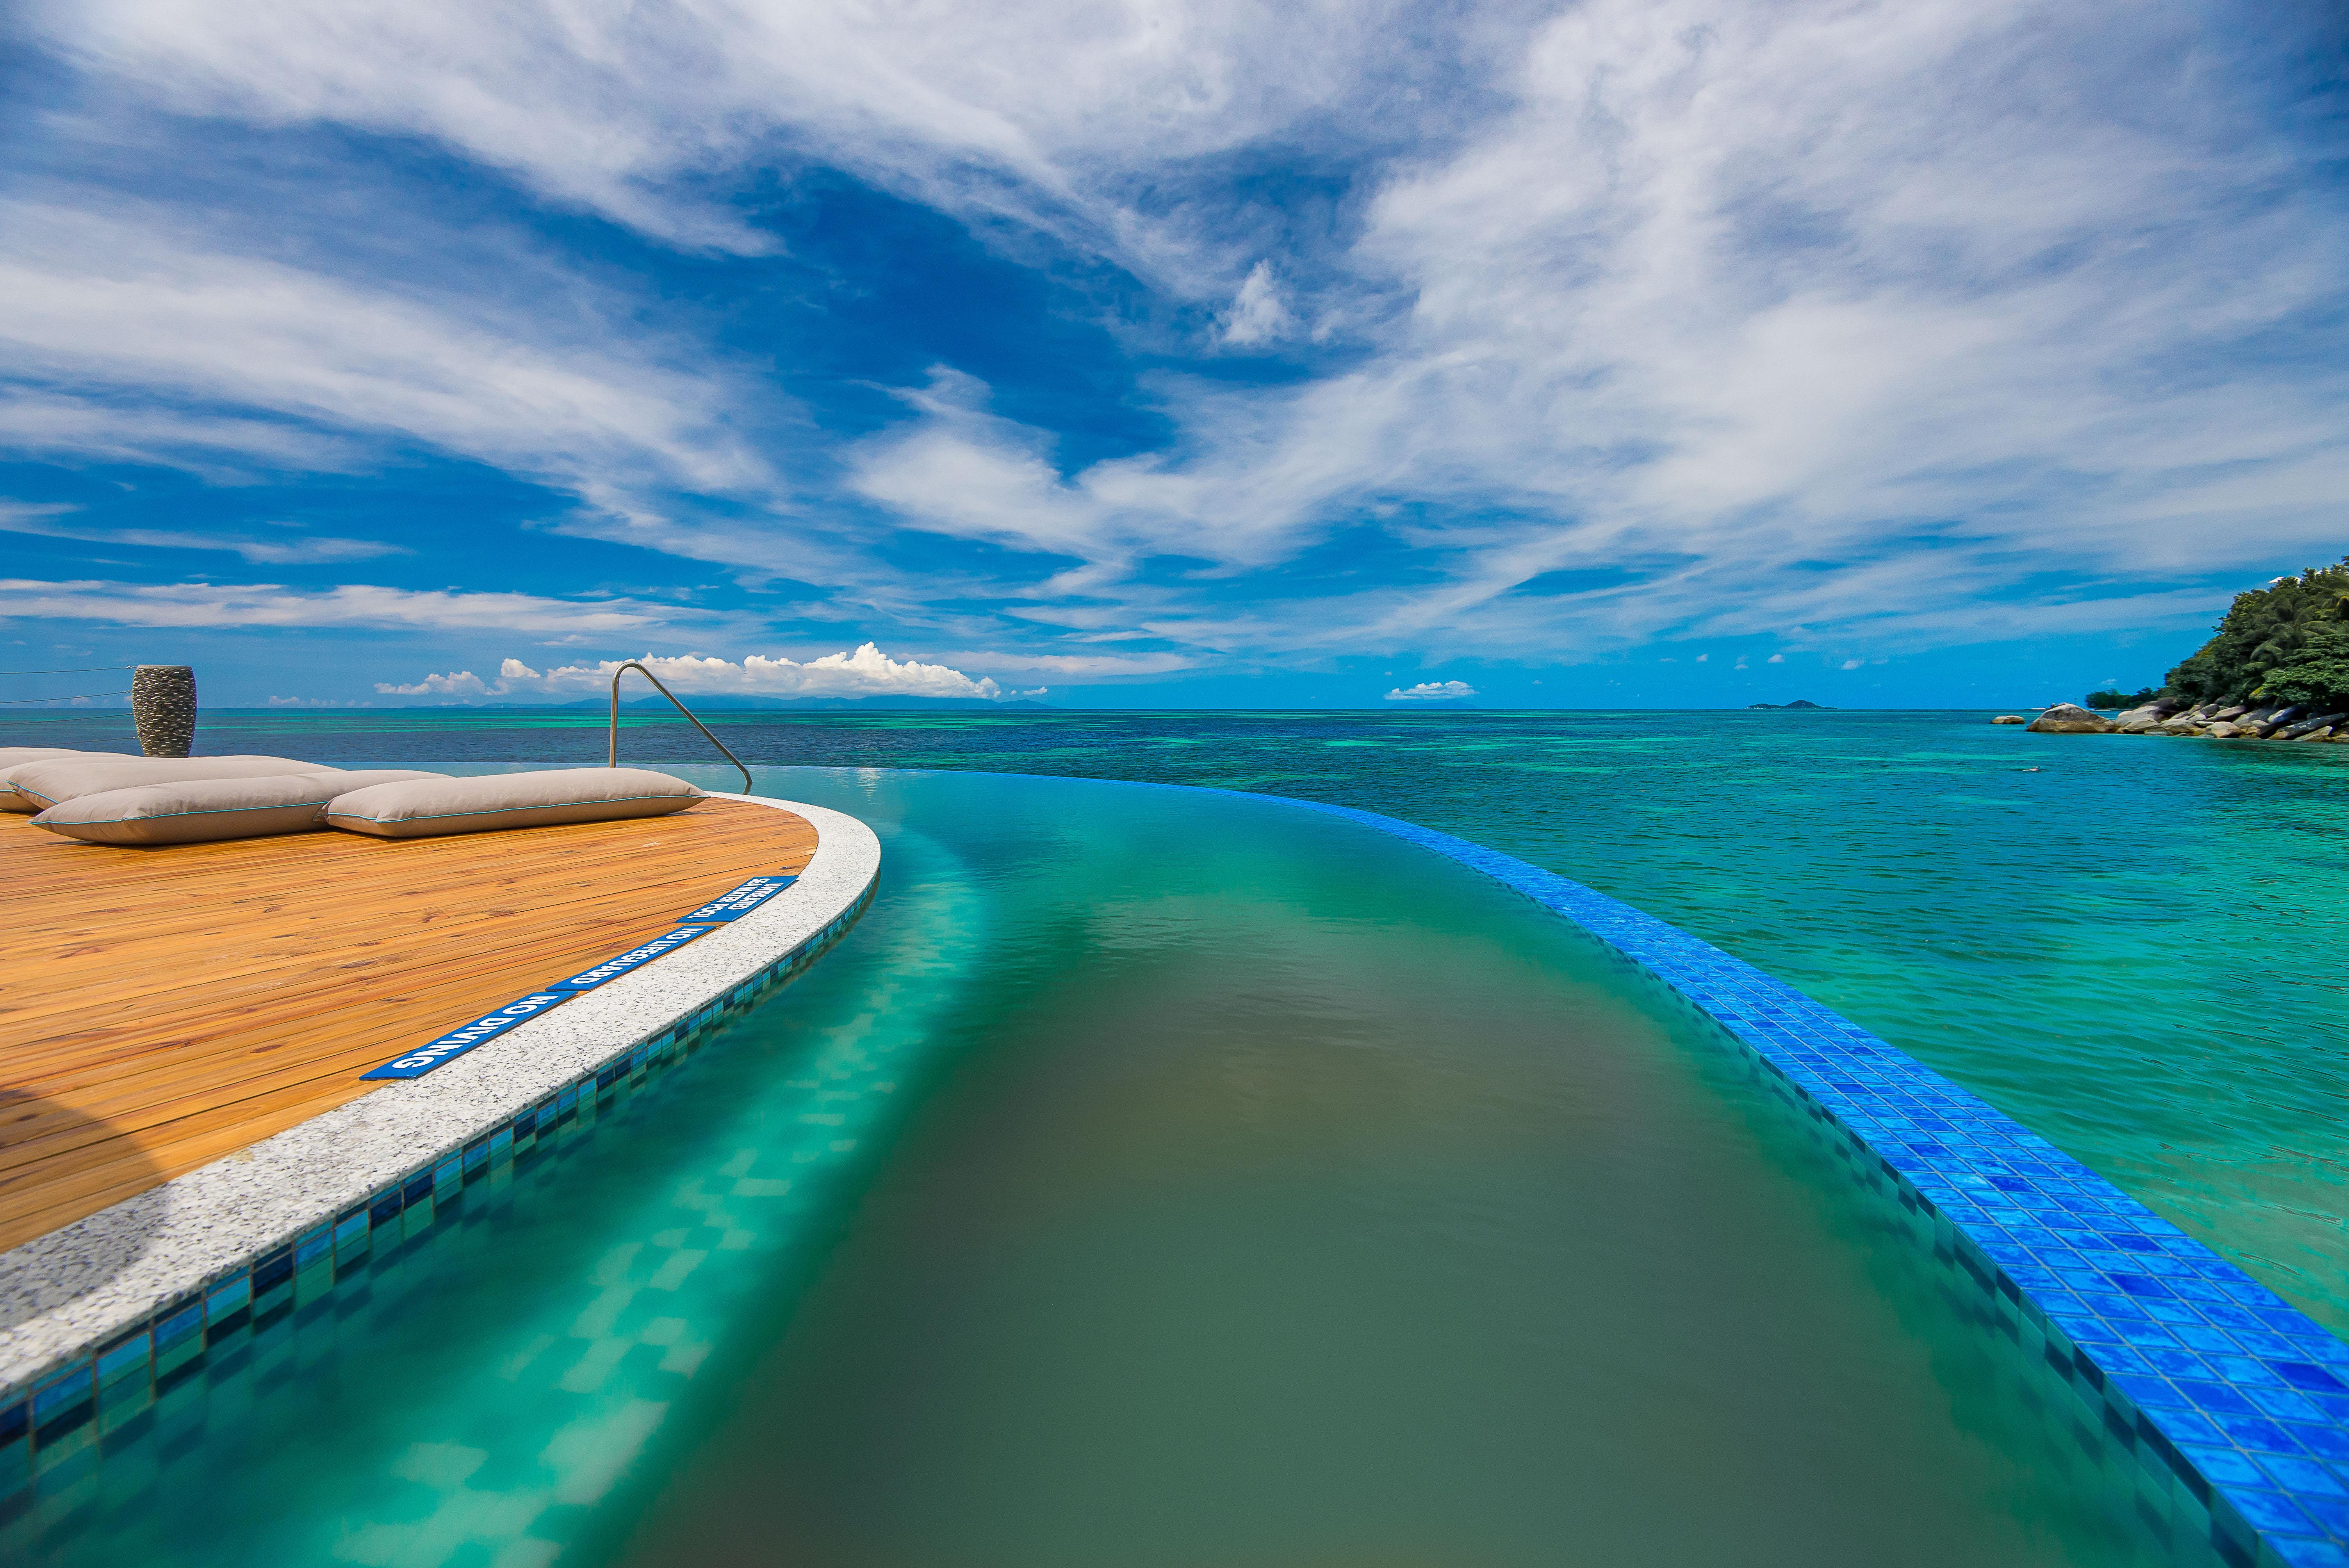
(2211, 721)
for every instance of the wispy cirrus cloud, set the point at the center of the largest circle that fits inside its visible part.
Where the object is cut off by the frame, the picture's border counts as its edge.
(203, 605)
(1576, 328)
(141, 302)
(290, 550)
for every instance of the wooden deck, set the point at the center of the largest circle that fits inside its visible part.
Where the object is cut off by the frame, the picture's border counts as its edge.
(161, 1008)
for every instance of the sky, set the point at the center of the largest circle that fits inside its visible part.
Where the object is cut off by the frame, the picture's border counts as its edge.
(1671, 353)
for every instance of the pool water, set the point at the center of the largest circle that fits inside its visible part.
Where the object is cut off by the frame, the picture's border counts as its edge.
(2132, 946)
(1151, 1177)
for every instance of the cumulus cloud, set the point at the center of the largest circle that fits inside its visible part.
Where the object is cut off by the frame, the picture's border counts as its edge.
(455, 684)
(866, 672)
(1432, 691)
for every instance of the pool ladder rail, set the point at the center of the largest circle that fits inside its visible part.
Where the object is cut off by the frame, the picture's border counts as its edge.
(612, 751)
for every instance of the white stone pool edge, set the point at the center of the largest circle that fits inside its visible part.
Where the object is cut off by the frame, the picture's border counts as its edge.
(66, 1292)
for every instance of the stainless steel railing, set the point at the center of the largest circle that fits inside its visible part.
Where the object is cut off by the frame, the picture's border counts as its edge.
(612, 753)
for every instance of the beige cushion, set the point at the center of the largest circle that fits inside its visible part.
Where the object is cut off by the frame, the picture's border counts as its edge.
(64, 778)
(11, 755)
(14, 756)
(202, 810)
(426, 808)
(195, 810)
(348, 779)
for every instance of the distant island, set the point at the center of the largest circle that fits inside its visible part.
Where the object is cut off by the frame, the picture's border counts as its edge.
(1789, 707)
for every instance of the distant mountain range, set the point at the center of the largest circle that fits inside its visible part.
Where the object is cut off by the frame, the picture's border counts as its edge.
(1788, 707)
(719, 703)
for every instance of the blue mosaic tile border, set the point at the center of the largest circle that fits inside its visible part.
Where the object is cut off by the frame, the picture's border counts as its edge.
(65, 1409)
(2236, 1400)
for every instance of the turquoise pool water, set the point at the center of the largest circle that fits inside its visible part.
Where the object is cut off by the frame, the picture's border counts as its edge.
(1150, 1178)
(2135, 950)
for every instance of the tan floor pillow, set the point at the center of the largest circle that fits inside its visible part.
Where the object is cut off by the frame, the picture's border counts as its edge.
(428, 808)
(205, 811)
(17, 756)
(196, 810)
(11, 755)
(63, 778)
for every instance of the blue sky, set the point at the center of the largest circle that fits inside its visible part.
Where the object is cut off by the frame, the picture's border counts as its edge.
(1635, 352)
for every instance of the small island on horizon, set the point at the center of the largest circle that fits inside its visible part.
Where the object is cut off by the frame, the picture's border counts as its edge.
(1789, 707)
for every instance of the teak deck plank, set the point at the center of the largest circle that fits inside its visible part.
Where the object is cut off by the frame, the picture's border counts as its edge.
(162, 1008)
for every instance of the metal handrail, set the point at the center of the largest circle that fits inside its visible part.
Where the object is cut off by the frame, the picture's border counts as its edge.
(612, 753)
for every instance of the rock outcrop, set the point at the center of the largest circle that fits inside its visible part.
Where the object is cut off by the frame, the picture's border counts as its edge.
(2211, 721)
(2009, 718)
(2070, 719)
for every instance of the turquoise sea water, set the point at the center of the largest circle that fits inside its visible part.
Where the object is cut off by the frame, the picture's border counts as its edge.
(1149, 1178)
(2133, 946)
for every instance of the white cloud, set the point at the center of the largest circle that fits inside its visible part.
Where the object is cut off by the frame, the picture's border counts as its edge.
(141, 301)
(1776, 659)
(1850, 665)
(294, 549)
(1840, 312)
(349, 604)
(1077, 667)
(1432, 691)
(1258, 313)
(456, 684)
(866, 672)
(1038, 112)
(44, 422)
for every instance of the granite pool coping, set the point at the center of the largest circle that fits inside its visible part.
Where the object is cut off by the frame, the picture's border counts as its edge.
(68, 1294)
(2196, 1366)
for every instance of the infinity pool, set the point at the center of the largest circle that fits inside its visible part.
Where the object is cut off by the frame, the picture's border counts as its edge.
(1153, 1177)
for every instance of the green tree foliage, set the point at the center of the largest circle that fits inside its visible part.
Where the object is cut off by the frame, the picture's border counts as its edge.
(2118, 699)
(2319, 675)
(2288, 642)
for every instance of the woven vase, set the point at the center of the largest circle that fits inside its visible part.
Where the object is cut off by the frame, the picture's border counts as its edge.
(163, 706)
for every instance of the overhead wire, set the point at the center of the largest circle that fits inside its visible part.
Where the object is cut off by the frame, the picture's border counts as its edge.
(74, 696)
(76, 670)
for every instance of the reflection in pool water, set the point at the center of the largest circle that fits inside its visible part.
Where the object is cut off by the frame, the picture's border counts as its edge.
(1151, 1178)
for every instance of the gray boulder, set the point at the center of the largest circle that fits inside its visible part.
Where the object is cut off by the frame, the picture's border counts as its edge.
(2303, 727)
(2222, 731)
(2009, 718)
(2070, 719)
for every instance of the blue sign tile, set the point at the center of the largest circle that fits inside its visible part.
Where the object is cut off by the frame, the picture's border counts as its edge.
(737, 902)
(634, 958)
(457, 1041)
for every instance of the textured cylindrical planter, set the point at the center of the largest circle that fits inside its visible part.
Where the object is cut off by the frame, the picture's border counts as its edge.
(163, 706)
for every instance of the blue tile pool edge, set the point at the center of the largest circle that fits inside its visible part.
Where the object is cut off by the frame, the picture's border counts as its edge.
(47, 1417)
(2198, 1368)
